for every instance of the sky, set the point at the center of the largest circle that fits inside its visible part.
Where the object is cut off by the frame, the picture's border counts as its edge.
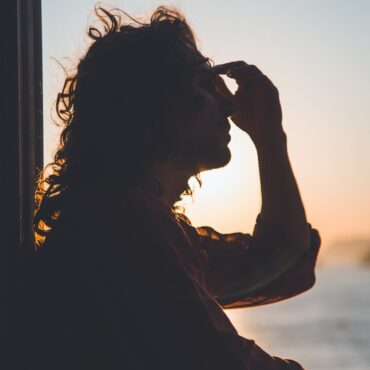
(316, 52)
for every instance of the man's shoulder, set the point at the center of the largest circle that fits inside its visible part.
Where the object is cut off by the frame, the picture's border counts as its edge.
(115, 203)
(107, 213)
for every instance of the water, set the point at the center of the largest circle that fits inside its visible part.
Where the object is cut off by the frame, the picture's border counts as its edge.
(325, 328)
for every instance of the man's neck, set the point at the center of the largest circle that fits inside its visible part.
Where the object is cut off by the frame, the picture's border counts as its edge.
(173, 182)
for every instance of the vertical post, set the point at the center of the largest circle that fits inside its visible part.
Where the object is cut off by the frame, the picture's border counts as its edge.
(21, 152)
(30, 109)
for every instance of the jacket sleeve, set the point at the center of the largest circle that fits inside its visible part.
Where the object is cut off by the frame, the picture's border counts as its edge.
(244, 270)
(145, 292)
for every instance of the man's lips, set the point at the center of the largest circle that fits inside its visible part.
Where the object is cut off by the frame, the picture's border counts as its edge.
(226, 133)
(226, 125)
(224, 130)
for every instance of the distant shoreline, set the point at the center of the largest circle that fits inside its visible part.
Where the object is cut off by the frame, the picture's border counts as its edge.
(354, 252)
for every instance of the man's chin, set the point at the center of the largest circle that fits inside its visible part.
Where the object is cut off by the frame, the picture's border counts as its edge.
(219, 159)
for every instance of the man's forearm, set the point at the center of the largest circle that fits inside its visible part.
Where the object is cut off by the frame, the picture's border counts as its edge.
(282, 206)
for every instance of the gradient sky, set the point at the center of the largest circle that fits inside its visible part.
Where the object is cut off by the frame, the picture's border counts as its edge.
(316, 52)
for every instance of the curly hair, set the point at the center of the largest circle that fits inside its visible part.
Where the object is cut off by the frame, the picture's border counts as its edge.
(116, 108)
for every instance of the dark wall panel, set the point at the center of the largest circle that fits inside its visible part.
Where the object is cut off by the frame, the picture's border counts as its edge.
(20, 155)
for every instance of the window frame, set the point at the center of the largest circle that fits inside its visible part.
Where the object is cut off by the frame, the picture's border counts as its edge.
(21, 157)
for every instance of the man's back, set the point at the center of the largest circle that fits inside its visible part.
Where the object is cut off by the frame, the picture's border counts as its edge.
(120, 284)
(112, 294)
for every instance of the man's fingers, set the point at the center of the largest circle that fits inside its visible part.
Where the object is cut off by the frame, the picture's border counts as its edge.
(224, 68)
(246, 75)
(242, 72)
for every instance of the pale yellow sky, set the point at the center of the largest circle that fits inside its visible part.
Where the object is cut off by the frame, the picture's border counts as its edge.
(316, 53)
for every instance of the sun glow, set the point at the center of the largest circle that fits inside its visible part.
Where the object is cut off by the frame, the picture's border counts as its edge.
(229, 198)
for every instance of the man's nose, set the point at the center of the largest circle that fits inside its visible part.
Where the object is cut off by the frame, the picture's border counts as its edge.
(227, 106)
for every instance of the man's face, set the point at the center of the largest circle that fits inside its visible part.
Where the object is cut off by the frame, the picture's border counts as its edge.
(206, 136)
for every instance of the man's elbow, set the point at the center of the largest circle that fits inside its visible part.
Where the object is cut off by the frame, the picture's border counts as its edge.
(311, 280)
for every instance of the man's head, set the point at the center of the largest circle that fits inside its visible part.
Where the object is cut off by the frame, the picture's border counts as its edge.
(148, 91)
(206, 133)
(142, 95)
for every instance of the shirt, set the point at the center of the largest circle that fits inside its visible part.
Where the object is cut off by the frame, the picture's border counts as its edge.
(122, 282)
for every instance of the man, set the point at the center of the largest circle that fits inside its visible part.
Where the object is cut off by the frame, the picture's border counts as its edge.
(123, 280)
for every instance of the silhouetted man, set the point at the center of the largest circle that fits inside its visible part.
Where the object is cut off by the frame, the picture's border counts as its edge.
(123, 280)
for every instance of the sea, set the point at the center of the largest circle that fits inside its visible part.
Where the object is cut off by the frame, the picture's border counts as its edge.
(324, 328)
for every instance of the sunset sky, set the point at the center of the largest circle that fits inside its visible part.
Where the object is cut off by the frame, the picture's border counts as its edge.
(316, 52)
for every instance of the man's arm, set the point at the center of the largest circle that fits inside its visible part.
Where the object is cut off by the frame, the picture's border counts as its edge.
(278, 261)
(282, 206)
(243, 271)
(258, 113)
